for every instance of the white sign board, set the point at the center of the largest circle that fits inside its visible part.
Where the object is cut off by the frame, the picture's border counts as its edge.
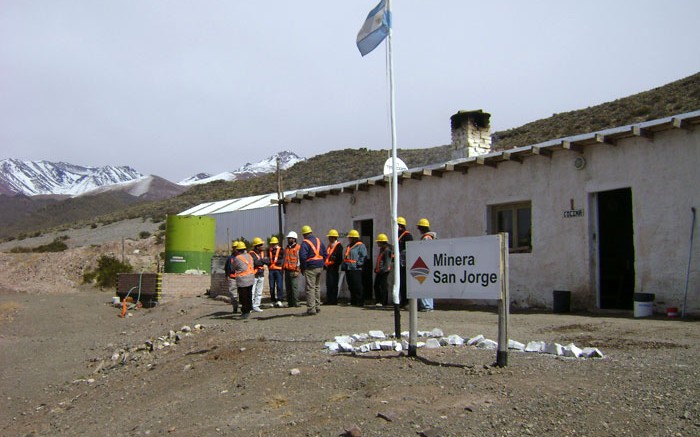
(457, 268)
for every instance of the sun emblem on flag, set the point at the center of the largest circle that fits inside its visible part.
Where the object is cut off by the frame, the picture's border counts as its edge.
(419, 270)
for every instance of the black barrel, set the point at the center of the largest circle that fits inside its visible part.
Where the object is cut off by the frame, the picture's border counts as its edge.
(561, 301)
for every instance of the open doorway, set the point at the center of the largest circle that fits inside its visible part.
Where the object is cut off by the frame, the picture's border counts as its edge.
(616, 249)
(366, 230)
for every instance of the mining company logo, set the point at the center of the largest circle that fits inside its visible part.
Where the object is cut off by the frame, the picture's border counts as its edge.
(419, 270)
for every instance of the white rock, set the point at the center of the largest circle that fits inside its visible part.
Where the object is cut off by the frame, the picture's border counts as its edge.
(198, 326)
(398, 347)
(487, 344)
(535, 346)
(437, 333)
(404, 344)
(432, 343)
(377, 334)
(375, 346)
(185, 329)
(294, 372)
(405, 334)
(115, 356)
(570, 350)
(345, 347)
(512, 344)
(344, 339)
(419, 344)
(423, 333)
(331, 345)
(387, 345)
(474, 340)
(592, 352)
(455, 340)
(360, 337)
(554, 349)
(364, 348)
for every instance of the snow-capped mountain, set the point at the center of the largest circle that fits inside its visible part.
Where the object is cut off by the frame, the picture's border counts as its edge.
(268, 165)
(43, 177)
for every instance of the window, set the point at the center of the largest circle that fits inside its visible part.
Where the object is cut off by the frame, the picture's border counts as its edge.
(516, 220)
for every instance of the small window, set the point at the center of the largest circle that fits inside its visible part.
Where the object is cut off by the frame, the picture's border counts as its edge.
(516, 220)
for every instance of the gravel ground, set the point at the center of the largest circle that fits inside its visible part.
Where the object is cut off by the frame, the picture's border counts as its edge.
(65, 373)
(71, 366)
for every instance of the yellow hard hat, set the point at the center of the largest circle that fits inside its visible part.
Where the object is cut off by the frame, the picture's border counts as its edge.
(332, 233)
(382, 238)
(401, 221)
(353, 234)
(240, 245)
(233, 244)
(424, 222)
(274, 240)
(257, 241)
(306, 229)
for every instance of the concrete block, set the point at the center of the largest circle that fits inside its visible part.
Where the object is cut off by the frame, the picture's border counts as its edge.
(360, 337)
(432, 343)
(554, 349)
(592, 352)
(331, 346)
(345, 347)
(377, 334)
(570, 350)
(387, 345)
(344, 339)
(455, 340)
(375, 346)
(437, 333)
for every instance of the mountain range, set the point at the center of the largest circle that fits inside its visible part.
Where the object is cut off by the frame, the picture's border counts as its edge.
(33, 178)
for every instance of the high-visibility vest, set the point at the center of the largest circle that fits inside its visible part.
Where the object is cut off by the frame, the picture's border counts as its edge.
(347, 253)
(249, 265)
(331, 249)
(256, 255)
(379, 260)
(316, 249)
(232, 272)
(402, 235)
(291, 258)
(273, 258)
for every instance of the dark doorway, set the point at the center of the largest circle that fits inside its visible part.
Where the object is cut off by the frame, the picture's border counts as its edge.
(366, 230)
(616, 249)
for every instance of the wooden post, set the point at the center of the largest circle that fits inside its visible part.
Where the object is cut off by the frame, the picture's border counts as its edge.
(503, 305)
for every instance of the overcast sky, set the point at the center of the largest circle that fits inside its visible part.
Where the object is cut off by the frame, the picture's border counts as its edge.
(177, 87)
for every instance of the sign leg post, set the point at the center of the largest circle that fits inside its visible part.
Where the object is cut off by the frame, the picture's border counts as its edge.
(503, 305)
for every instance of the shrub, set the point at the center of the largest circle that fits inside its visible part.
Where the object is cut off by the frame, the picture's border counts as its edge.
(105, 275)
(144, 234)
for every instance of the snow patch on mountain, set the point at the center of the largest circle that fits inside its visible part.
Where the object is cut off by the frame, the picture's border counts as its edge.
(248, 170)
(44, 177)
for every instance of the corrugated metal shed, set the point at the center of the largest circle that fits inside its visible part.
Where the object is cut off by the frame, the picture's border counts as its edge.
(248, 217)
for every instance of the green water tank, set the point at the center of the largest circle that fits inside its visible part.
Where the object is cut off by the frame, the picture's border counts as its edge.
(189, 243)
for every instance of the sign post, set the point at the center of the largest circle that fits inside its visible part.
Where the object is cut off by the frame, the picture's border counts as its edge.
(474, 268)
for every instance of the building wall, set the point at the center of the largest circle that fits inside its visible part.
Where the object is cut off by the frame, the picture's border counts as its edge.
(662, 174)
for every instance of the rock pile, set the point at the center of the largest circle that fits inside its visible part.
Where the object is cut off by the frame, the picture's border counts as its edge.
(377, 340)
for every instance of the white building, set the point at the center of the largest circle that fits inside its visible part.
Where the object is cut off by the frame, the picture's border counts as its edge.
(603, 215)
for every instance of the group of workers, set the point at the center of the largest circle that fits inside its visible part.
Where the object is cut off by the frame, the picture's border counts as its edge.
(245, 269)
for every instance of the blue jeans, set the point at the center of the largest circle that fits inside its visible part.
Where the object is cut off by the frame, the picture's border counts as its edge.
(276, 286)
(425, 303)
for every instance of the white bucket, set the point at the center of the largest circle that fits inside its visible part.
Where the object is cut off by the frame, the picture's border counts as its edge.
(643, 309)
(115, 300)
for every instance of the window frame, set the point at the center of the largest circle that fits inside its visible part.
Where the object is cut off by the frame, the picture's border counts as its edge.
(512, 207)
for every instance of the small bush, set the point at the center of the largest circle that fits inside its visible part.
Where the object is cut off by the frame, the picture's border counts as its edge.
(55, 246)
(144, 234)
(105, 275)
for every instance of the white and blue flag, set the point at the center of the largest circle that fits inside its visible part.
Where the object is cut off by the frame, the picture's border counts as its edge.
(375, 28)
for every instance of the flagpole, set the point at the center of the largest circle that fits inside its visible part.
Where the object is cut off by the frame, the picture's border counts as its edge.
(394, 185)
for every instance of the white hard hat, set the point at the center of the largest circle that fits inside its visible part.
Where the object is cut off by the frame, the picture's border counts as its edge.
(292, 234)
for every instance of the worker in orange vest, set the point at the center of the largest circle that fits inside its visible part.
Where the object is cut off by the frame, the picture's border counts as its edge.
(276, 255)
(353, 260)
(334, 258)
(312, 256)
(291, 270)
(382, 267)
(245, 277)
(260, 260)
(231, 277)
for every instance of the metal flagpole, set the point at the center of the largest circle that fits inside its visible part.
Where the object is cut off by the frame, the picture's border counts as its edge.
(394, 186)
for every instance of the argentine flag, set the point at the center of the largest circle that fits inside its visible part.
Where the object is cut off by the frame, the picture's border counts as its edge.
(375, 28)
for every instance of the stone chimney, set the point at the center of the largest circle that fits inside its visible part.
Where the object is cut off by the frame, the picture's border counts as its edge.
(471, 134)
